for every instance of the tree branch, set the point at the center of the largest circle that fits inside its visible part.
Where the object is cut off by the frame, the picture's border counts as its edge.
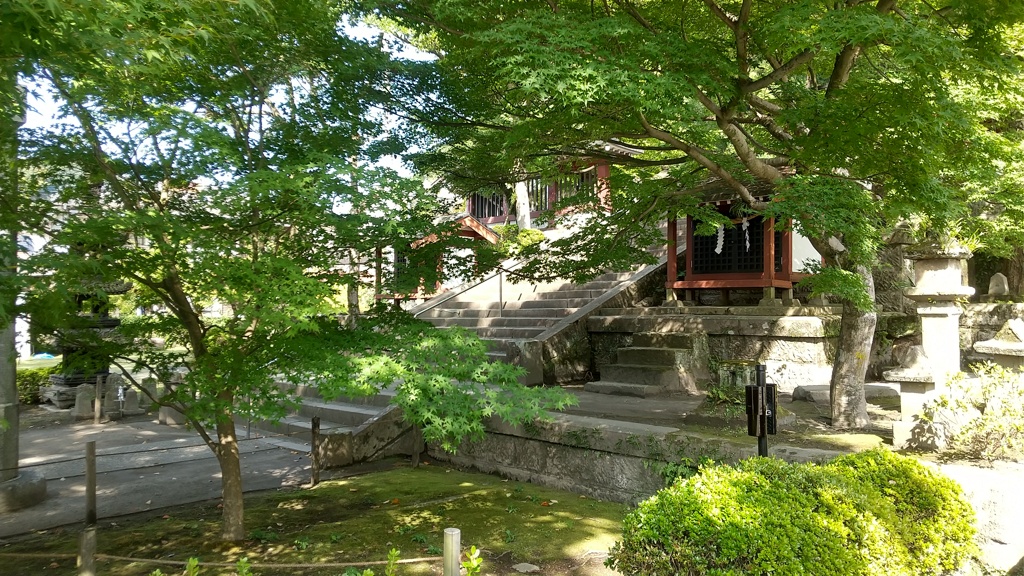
(722, 15)
(635, 14)
(701, 158)
(779, 73)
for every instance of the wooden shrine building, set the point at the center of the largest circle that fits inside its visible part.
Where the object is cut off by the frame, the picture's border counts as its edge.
(754, 252)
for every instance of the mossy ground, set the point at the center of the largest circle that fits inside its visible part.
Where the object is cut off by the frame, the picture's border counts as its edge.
(353, 520)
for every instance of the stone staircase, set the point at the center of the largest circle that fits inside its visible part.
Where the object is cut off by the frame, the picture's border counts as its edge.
(525, 310)
(352, 429)
(508, 313)
(655, 363)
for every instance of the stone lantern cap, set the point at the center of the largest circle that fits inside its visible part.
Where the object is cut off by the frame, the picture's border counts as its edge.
(938, 251)
(1009, 341)
(938, 272)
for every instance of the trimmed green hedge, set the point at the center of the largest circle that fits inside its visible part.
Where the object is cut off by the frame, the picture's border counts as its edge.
(864, 514)
(30, 380)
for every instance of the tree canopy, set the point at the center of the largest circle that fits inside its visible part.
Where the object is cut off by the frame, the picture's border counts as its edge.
(847, 117)
(234, 162)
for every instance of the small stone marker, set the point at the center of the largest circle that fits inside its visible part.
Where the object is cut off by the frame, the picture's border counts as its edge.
(524, 568)
(84, 401)
(131, 403)
(998, 285)
(998, 288)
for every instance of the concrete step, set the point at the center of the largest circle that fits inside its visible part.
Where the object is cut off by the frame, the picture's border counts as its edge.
(554, 303)
(617, 276)
(662, 376)
(295, 426)
(603, 285)
(508, 333)
(494, 313)
(342, 413)
(502, 322)
(570, 294)
(654, 356)
(295, 445)
(622, 389)
(381, 399)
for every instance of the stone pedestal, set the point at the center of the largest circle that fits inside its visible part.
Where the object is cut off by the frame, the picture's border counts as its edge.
(917, 386)
(18, 488)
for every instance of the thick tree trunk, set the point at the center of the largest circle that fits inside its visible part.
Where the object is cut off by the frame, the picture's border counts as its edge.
(232, 522)
(1014, 270)
(853, 352)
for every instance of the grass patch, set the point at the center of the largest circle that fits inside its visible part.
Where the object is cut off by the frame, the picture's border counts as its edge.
(353, 520)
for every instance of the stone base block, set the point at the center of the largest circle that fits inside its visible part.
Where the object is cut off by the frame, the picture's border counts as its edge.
(171, 417)
(28, 489)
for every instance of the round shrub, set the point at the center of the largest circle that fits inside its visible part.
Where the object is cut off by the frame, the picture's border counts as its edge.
(765, 516)
(30, 380)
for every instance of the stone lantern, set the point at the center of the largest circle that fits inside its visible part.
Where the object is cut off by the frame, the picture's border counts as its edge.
(938, 286)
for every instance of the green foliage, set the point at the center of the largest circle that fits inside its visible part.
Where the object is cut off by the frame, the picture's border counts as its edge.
(473, 563)
(513, 240)
(391, 568)
(837, 282)
(719, 393)
(993, 428)
(863, 514)
(30, 380)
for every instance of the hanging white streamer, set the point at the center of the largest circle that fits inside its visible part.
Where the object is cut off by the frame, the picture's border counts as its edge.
(746, 232)
(721, 240)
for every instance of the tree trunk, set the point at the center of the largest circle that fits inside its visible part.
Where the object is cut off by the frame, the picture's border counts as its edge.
(232, 522)
(522, 198)
(1014, 270)
(8, 270)
(853, 352)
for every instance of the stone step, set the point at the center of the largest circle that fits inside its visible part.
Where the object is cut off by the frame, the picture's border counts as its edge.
(602, 285)
(654, 356)
(341, 413)
(623, 389)
(494, 313)
(508, 333)
(569, 294)
(555, 303)
(293, 444)
(380, 399)
(662, 376)
(294, 426)
(672, 340)
(502, 322)
(616, 276)
(759, 326)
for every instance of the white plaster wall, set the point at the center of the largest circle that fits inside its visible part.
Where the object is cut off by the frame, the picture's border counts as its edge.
(802, 250)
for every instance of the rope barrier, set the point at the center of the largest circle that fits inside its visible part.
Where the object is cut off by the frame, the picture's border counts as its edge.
(261, 565)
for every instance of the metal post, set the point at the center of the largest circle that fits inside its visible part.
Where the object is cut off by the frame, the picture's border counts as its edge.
(452, 551)
(501, 297)
(761, 381)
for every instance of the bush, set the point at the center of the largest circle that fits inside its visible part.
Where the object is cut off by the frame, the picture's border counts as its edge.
(990, 422)
(870, 513)
(513, 240)
(30, 380)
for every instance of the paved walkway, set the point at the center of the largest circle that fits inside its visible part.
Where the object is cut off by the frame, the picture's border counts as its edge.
(141, 465)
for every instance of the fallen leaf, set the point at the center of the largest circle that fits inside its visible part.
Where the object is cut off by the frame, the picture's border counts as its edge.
(394, 500)
(545, 503)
